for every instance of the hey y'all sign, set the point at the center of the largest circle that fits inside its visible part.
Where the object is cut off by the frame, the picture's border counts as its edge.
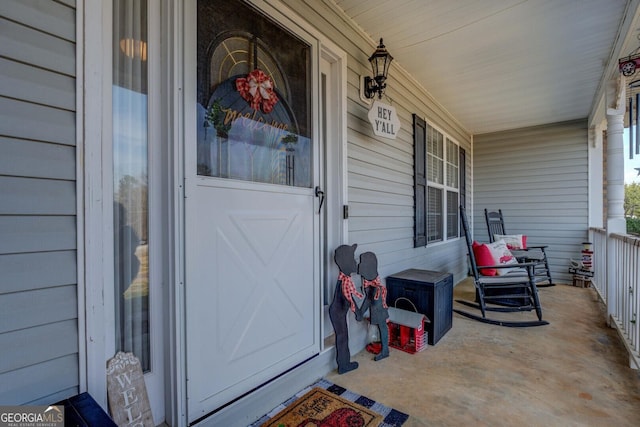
(384, 120)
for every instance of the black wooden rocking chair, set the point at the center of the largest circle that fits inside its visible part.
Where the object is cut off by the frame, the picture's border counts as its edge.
(515, 291)
(537, 254)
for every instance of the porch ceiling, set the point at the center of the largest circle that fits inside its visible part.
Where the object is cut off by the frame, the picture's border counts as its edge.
(501, 64)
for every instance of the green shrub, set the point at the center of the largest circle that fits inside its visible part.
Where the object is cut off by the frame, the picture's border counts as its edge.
(633, 226)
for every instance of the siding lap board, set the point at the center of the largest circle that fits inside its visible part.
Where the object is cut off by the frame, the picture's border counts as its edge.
(34, 159)
(36, 270)
(40, 383)
(38, 231)
(56, 340)
(38, 122)
(33, 233)
(36, 85)
(31, 196)
(30, 46)
(48, 16)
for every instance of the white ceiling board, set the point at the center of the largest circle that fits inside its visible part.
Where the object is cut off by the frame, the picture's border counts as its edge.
(499, 64)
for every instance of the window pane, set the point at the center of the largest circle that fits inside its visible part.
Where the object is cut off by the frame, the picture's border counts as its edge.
(435, 156)
(434, 215)
(434, 169)
(254, 119)
(130, 170)
(452, 164)
(452, 214)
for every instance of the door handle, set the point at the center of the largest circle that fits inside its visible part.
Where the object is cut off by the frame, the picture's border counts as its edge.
(320, 193)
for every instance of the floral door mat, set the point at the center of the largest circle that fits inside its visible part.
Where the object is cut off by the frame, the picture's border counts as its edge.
(328, 404)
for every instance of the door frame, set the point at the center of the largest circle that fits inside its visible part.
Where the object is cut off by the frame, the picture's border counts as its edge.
(333, 171)
(177, 83)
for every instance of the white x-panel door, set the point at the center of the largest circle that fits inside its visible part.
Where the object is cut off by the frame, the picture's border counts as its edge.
(251, 289)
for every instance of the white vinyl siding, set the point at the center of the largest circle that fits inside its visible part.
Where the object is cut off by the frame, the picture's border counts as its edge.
(380, 171)
(538, 176)
(38, 284)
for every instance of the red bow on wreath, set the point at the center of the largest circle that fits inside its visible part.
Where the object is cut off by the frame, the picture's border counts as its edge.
(257, 90)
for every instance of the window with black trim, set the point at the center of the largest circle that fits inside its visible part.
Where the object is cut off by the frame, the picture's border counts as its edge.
(439, 184)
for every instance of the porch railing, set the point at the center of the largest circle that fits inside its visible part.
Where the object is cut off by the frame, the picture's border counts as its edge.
(618, 284)
(598, 236)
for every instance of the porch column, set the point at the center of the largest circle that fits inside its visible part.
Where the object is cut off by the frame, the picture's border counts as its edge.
(615, 187)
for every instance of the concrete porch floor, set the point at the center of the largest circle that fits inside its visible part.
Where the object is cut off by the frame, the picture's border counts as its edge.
(573, 372)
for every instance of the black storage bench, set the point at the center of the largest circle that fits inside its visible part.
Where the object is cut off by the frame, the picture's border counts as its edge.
(83, 411)
(432, 294)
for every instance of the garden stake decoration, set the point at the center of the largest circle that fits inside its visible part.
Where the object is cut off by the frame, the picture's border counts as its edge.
(375, 300)
(343, 302)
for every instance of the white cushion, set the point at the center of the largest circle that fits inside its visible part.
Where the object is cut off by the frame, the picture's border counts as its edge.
(502, 256)
(513, 241)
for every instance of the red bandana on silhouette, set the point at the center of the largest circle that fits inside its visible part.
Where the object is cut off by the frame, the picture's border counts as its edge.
(349, 289)
(379, 289)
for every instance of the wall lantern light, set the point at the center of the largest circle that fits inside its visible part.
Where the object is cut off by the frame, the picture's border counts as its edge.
(380, 61)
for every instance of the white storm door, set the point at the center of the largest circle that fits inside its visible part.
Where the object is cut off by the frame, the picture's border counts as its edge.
(252, 228)
(251, 288)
